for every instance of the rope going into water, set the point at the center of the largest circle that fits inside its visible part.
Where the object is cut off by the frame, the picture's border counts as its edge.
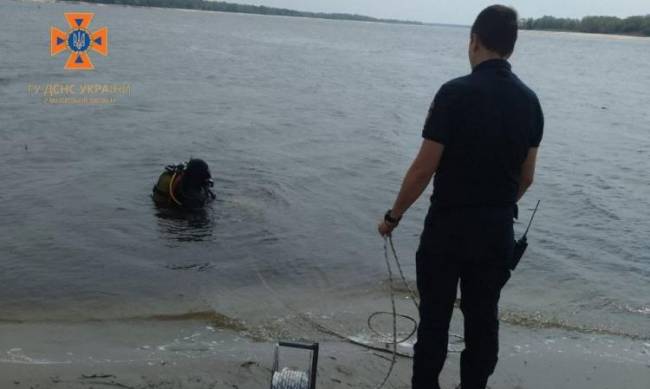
(412, 295)
(388, 241)
(394, 313)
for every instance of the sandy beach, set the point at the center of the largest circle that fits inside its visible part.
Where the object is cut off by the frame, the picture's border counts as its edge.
(197, 354)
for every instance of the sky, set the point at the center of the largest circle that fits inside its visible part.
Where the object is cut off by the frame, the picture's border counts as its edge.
(462, 11)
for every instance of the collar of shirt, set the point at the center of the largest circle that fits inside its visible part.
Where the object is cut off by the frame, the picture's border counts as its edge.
(493, 64)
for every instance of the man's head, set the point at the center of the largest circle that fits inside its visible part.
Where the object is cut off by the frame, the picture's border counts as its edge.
(494, 34)
(197, 173)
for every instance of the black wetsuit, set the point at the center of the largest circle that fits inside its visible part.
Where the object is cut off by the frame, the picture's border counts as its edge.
(487, 122)
(186, 195)
(193, 197)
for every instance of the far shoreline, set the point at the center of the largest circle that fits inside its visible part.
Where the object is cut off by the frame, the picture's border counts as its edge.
(638, 25)
(594, 34)
(334, 17)
(219, 6)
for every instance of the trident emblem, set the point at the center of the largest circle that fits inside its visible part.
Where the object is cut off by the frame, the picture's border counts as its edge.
(78, 41)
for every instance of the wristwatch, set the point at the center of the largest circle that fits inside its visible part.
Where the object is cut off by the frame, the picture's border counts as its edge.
(391, 220)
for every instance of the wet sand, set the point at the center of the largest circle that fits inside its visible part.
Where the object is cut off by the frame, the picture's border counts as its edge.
(194, 354)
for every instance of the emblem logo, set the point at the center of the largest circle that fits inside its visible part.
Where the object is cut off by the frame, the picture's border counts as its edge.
(78, 41)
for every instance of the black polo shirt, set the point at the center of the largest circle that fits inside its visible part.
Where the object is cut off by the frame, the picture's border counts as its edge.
(487, 121)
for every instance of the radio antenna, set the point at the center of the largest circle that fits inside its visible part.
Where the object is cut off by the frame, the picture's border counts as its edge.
(532, 217)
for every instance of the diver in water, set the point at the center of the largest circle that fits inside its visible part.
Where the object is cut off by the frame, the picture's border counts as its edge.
(185, 186)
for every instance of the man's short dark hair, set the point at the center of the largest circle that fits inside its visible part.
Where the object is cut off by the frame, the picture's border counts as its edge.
(496, 27)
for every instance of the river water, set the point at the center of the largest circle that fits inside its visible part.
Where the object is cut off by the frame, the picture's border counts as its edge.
(308, 126)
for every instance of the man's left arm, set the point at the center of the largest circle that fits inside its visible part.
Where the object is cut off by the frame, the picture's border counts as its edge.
(415, 182)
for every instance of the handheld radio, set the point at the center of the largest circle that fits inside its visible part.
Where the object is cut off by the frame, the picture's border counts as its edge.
(521, 244)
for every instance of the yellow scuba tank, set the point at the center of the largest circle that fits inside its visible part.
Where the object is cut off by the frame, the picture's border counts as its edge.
(178, 186)
(163, 191)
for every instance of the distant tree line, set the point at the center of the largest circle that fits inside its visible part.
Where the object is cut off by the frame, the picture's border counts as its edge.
(634, 25)
(243, 8)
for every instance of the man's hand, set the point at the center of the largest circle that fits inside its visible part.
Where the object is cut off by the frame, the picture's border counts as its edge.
(385, 228)
(389, 223)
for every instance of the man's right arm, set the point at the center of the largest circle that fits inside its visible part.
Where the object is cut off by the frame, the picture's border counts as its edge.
(527, 172)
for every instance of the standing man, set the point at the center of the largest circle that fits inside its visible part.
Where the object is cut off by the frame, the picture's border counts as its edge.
(480, 140)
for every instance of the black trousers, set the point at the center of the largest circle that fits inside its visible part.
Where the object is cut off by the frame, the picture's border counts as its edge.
(469, 245)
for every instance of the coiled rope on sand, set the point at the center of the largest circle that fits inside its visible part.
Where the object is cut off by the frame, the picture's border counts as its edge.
(388, 241)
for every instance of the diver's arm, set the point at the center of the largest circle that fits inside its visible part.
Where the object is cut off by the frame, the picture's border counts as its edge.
(527, 172)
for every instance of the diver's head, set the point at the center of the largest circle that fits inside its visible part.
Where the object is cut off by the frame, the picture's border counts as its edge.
(493, 34)
(197, 173)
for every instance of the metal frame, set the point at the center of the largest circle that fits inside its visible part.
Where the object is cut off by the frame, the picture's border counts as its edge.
(313, 347)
